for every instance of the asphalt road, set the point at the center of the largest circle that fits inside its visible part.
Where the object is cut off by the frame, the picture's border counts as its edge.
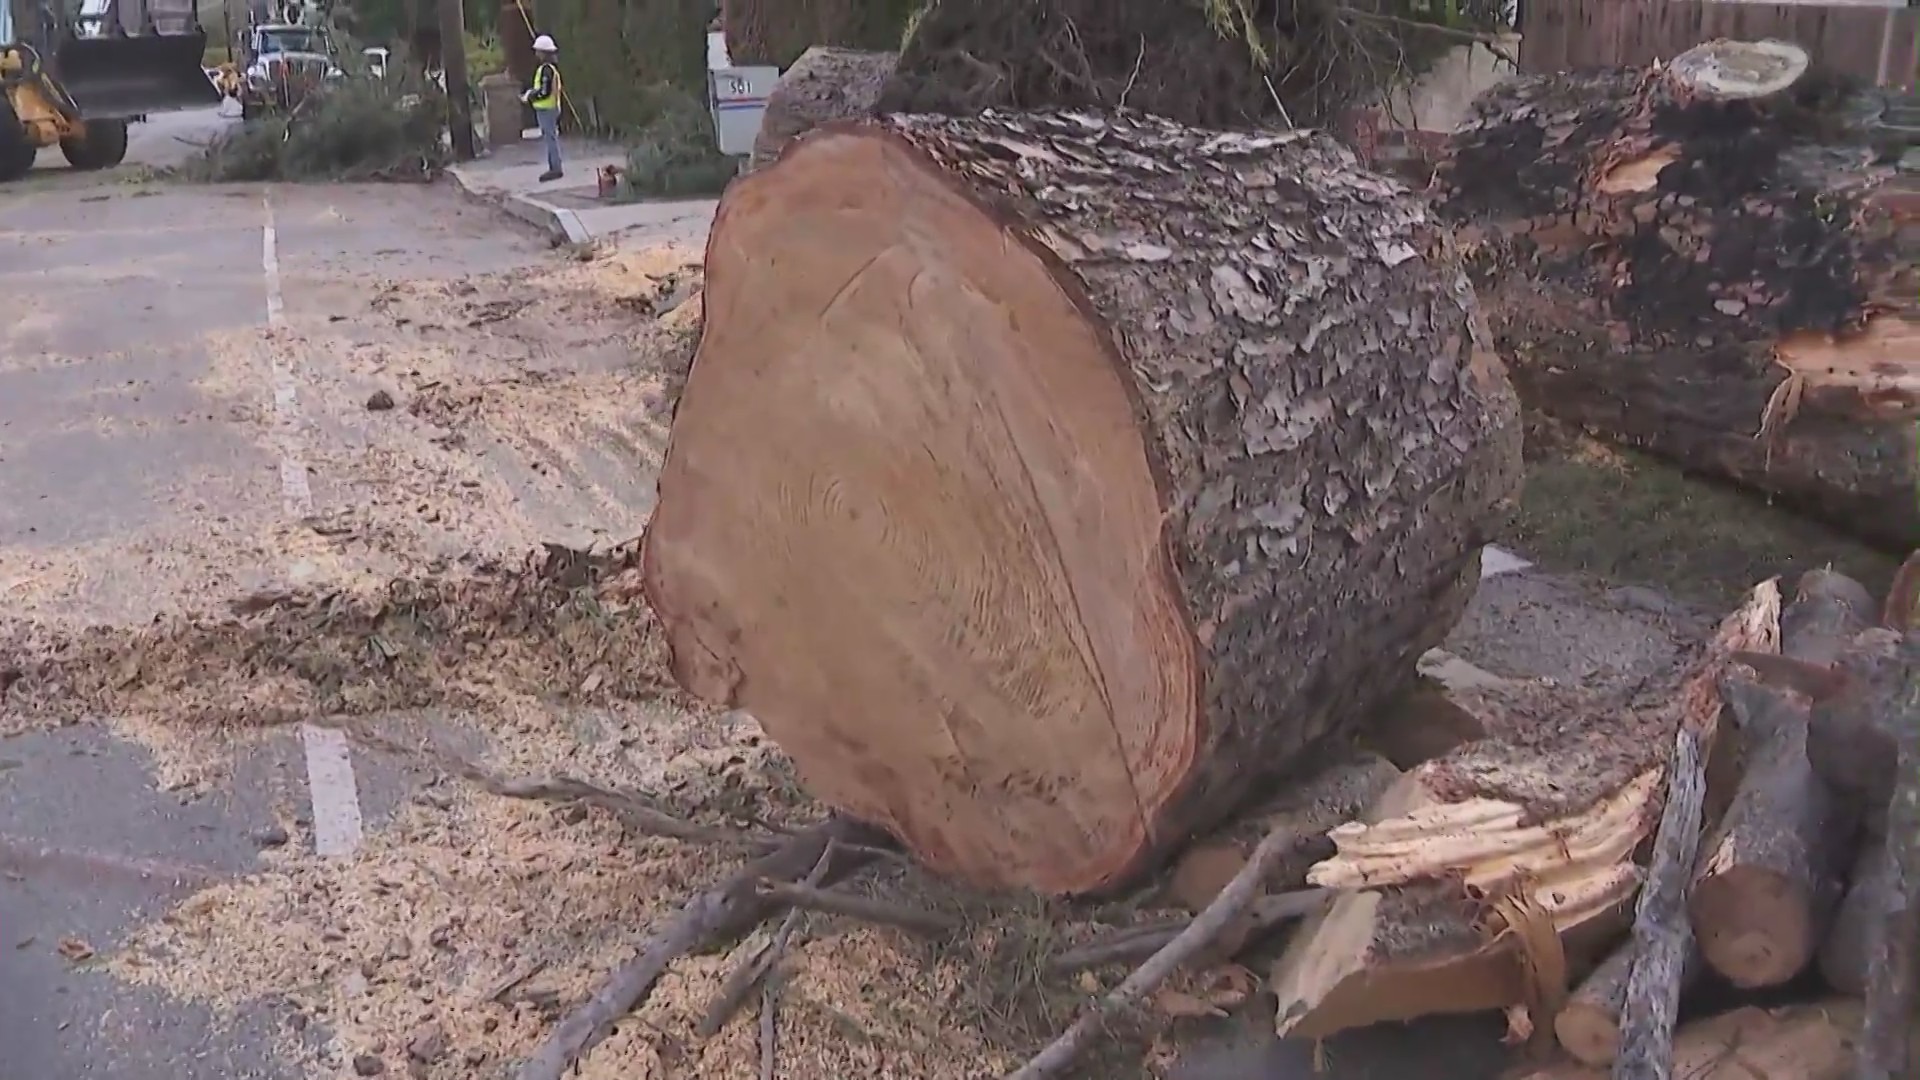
(162, 142)
(124, 427)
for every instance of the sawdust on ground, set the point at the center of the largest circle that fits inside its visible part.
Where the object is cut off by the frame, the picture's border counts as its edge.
(518, 408)
(468, 926)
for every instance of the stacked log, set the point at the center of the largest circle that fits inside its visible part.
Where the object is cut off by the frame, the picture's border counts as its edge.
(1710, 261)
(1804, 862)
(1017, 448)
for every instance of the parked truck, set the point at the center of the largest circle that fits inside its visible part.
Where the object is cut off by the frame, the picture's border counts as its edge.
(280, 56)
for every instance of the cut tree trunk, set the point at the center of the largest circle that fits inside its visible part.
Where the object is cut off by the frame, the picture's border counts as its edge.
(1801, 1042)
(1472, 863)
(823, 85)
(1768, 879)
(1017, 448)
(1589, 1023)
(1723, 281)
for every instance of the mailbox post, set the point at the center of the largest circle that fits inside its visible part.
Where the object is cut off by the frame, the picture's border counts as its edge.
(737, 98)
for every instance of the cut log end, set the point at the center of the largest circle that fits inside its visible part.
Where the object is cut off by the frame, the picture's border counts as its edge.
(1015, 448)
(1756, 927)
(929, 357)
(1739, 70)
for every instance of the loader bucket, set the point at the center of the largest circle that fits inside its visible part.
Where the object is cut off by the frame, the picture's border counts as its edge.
(112, 78)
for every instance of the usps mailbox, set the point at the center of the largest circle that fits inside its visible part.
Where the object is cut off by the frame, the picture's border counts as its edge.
(738, 99)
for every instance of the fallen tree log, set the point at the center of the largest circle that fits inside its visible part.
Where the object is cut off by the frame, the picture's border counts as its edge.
(1768, 879)
(1016, 448)
(825, 84)
(1588, 1026)
(1721, 280)
(1468, 867)
(1801, 1042)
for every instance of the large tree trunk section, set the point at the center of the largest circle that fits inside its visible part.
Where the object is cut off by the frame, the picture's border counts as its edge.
(1768, 881)
(1017, 448)
(1457, 884)
(1722, 281)
(1802, 1042)
(823, 85)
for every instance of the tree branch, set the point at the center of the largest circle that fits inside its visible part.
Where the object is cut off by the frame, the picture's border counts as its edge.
(1228, 906)
(730, 908)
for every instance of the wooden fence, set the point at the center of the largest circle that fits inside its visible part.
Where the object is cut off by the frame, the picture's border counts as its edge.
(1880, 44)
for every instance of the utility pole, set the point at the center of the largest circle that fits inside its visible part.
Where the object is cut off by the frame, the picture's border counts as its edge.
(453, 63)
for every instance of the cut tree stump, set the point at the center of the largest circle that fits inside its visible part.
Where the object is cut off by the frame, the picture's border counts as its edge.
(1717, 278)
(1801, 1042)
(824, 85)
(1018, 448)
(1768, 880)
(1458, 879)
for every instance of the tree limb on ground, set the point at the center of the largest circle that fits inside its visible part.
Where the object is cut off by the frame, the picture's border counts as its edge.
(636, 810)
(754, 967)
(813, 898)
(1662, 934)
(1227, 907)
(729, 908)
(1134, 944)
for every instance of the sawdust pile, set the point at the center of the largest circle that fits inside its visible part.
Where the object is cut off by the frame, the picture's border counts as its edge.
(467, 927)
(562, 625)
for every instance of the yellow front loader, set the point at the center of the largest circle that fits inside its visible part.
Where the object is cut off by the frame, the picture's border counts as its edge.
(75, 74)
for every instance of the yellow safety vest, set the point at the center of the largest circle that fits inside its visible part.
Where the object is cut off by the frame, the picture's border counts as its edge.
(551, 99)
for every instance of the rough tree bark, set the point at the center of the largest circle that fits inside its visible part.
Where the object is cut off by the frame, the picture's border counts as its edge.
(1017, 448)
(824, 84)
(1768, 879)
(1724, 282)
(1864, 741)
(1848, 952)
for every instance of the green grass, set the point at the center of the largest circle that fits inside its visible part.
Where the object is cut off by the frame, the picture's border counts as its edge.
(1630, 519)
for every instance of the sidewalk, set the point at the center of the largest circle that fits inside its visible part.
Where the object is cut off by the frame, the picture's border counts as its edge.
(570, 208)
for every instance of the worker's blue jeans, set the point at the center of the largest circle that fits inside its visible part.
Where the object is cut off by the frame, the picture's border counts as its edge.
(550, 135)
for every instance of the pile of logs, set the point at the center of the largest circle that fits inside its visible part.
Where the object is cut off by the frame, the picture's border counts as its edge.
(1778, 822)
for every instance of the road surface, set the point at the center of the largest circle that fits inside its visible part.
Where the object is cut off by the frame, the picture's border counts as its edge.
(164, 141)
(185, 378)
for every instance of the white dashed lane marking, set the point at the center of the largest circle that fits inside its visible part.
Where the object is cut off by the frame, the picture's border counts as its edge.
(332, 790)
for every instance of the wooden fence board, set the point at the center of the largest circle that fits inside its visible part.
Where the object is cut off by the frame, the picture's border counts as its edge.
(1879, 44)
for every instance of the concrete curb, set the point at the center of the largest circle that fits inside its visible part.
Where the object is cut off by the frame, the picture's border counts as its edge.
(560, 223)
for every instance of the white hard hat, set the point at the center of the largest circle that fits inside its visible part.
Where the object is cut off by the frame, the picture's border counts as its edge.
(543, 43)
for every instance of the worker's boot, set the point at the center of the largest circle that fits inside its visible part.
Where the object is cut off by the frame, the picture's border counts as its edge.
(551, 174)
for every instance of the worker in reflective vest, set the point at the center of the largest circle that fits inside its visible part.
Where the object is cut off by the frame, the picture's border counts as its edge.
(544, 96)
